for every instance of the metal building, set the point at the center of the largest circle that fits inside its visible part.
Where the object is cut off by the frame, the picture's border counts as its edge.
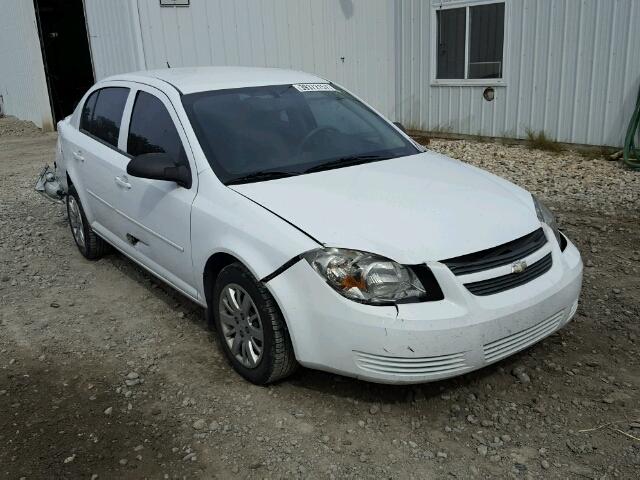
(496, 68)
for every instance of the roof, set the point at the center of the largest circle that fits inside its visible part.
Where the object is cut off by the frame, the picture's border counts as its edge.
(199, 79)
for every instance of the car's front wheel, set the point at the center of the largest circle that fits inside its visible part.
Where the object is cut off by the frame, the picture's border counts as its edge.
(89, 244)
(251, 328)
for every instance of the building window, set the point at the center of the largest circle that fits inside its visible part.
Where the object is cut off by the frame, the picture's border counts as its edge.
(469, 42)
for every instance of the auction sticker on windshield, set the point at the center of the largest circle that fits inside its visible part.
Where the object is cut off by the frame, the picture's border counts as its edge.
(314, 87)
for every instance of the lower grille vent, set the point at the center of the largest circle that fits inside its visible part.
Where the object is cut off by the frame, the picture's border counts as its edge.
(506, 346)
(406, 366)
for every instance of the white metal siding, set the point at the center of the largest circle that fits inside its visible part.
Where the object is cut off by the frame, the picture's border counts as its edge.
(309, 35)
(23, 84)
(572, 69)
(113, 38)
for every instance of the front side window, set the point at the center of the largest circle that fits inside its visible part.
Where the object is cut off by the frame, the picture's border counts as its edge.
(152, 130)
(102, 114)
(470, 42)
(287, 129)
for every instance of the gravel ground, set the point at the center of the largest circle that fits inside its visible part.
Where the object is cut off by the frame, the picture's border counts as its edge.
(106, 373)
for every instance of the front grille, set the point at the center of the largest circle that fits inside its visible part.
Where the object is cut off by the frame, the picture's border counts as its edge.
(406, 366)
(511, 280)
(497, 256)
(511, 344)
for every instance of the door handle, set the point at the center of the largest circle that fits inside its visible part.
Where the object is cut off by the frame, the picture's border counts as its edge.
(78, 155)
(122, 182)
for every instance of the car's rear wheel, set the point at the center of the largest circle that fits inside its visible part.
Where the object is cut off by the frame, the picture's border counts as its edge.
(89, 244)
(250, 326)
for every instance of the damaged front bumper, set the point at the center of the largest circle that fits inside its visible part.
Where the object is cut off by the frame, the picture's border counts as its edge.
(422, 342)
(49, 185)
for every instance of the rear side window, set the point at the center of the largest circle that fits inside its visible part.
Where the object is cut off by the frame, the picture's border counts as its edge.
(102, 113)
(152, 130)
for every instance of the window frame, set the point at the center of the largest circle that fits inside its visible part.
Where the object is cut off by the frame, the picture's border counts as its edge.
(134, 98)
(175, 117)
(437, 5)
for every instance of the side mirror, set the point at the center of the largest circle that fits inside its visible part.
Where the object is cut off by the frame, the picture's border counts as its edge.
(159, 166)
(400, 126)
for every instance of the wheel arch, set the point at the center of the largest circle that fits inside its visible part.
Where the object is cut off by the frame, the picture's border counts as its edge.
(212, 268)
(86, 206)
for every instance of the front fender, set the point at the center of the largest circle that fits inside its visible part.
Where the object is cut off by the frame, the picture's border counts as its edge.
(223, 221)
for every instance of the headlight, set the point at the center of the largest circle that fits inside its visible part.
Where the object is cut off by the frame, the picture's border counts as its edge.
(546, 216)
(365, 277)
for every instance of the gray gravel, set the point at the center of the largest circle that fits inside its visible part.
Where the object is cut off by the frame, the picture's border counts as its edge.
(80, 338)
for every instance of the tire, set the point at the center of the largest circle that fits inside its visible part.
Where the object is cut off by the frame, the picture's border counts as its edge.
(90, 245)
(240, 327)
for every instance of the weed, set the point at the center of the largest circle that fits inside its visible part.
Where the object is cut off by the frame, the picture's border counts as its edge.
(540, 141)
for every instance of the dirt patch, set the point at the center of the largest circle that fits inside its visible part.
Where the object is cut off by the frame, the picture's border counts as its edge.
(10, 127)
(65, 420)
(80, 337)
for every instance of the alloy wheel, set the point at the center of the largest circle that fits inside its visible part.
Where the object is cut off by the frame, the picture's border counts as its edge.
(241, 325)
(75, 220)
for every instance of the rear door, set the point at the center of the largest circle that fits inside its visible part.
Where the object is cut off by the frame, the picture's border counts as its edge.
(156, 213)
(96, 160)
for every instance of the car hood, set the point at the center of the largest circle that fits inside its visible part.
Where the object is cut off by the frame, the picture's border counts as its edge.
(411, 209)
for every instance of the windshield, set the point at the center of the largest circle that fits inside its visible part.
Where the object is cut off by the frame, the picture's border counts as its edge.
(260, 133)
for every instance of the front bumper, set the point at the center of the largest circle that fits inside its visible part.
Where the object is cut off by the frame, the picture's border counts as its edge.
(422, 342)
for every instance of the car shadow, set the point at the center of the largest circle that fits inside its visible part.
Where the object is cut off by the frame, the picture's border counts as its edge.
(328, 383)
(366, 391)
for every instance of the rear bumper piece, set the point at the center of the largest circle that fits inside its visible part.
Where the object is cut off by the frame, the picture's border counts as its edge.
(428, 341)
(48, 185)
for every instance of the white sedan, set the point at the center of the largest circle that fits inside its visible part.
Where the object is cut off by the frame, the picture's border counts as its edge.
(312, 230)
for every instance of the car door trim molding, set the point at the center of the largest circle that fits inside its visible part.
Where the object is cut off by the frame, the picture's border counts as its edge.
(156, 274)
(145, 228)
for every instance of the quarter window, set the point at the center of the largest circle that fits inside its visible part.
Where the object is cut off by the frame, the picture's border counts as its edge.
(470, 42)
(152, 130)
(87, 111)
(102, 114)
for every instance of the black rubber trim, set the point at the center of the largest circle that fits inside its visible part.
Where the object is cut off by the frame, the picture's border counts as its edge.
(563, 242)
(282, 268)
(169, 83)
(280, 217)
(429, 282)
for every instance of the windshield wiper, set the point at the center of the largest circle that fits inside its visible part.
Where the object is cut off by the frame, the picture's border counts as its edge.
(260, 176)
(346, 161)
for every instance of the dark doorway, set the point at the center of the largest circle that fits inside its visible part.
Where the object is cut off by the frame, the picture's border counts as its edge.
(65, 51)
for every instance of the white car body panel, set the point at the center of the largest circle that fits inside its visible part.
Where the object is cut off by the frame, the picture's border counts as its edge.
(223, 221)
(199, 79)
(418, 209)
(410, 209)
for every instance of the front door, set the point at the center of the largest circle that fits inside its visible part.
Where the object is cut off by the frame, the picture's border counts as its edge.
(156, 213)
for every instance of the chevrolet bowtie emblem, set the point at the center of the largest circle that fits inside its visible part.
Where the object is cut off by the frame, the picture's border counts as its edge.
(519, 266)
